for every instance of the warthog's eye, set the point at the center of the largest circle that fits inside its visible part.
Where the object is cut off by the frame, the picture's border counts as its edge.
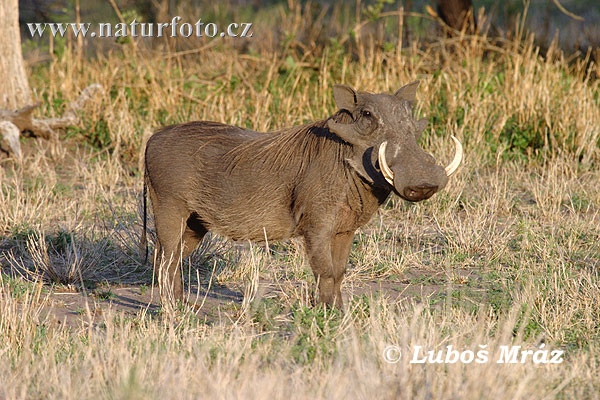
(366, 122)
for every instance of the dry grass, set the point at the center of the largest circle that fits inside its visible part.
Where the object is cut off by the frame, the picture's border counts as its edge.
(507, 254)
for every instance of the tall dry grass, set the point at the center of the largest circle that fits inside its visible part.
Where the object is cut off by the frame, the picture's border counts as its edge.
(507, 254)
(327, 356)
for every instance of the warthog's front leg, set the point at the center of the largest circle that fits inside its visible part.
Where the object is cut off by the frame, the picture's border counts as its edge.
(319, 252)
(340, 249)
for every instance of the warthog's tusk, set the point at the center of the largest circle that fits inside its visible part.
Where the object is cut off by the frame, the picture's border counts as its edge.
(453, 166)
(385, 170)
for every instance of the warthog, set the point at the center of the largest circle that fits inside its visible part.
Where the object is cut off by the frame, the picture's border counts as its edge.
(321, 181)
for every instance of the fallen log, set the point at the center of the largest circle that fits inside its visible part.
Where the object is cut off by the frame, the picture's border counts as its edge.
(12, 123)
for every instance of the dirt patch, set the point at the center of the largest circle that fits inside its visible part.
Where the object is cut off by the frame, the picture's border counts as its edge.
(72, 308)
(76, 308)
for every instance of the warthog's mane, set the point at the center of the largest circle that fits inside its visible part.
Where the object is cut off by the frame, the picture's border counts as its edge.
(295, 147)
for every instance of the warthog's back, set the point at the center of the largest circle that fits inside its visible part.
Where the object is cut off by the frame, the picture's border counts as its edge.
(194, 165)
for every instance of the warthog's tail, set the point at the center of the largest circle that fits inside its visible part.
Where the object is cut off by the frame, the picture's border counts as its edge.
(143, 238)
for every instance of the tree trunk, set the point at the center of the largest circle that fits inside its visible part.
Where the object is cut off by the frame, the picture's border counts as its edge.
(15, 93)
(14, 88)
(457, 14)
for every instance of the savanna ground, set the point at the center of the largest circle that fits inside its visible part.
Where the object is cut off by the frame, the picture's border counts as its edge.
(507, 254)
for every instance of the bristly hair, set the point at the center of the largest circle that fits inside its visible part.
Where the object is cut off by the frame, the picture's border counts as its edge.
(295, 147)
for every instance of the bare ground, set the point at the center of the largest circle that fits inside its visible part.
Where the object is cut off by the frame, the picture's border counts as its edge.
(215, 303)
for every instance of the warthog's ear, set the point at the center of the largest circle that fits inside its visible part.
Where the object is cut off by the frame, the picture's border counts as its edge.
(345, 97)
(408, 92)
(420, 126)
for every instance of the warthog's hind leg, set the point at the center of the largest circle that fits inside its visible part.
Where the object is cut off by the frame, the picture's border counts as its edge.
(178, 236)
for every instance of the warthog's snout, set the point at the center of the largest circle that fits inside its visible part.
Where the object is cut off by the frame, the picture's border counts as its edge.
(420, 192)
(423, 178)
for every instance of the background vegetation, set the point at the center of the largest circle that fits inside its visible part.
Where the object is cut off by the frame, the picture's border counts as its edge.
(507, 254)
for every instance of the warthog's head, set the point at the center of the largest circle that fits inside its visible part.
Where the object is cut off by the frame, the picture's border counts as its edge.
(384, 135)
